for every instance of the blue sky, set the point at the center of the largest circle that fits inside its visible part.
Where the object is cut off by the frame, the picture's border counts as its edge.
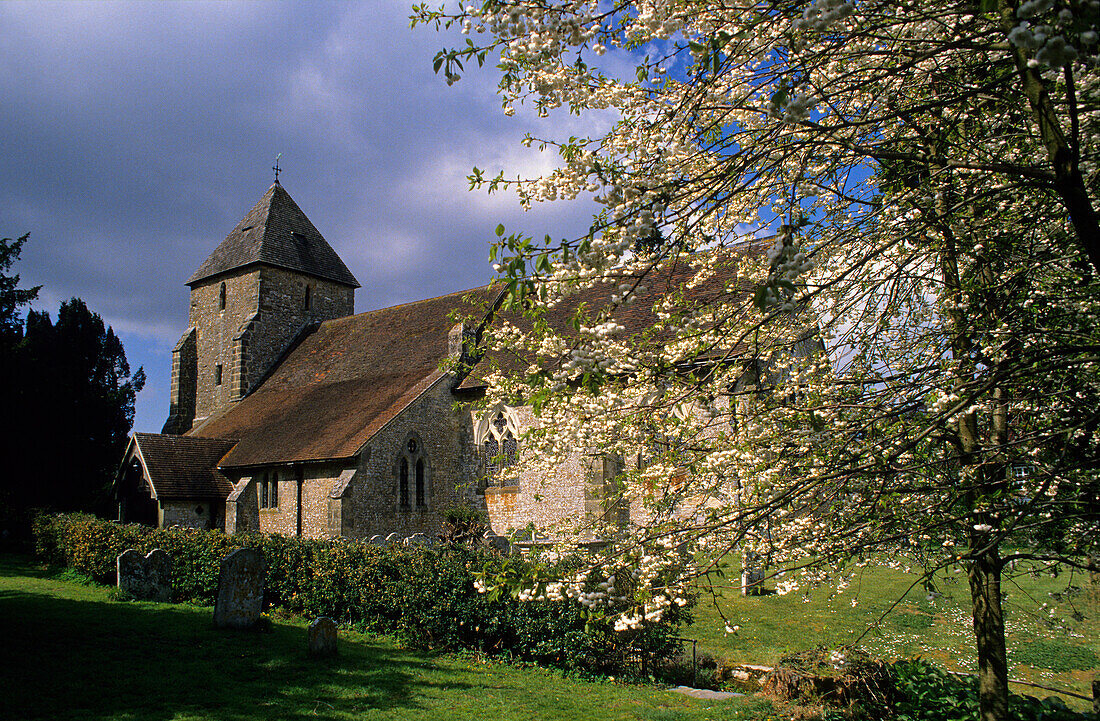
(136, 135)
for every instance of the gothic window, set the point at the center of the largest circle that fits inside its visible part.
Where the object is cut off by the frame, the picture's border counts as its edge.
(412, 476)
(263, 491)
(218, 374)
(221, 297)
(420, 503)
(403, 483)
(308, 299)
(498, 445)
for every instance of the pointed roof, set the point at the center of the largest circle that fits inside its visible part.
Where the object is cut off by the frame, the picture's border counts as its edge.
(181, 466)
(341, 384)
(276, 233)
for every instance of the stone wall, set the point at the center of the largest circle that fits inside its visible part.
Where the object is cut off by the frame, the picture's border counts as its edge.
(265, 309)
(317, 481)
(216, 331)
(369, 504)
(549, 501)
(181, 409)
(282, 314)
(196, 513)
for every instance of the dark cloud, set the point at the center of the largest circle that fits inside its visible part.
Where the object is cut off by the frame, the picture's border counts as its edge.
(136, 135)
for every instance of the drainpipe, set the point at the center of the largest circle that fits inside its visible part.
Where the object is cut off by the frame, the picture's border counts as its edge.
(301, 481)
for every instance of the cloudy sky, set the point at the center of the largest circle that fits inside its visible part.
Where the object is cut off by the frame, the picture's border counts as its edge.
(136, 135)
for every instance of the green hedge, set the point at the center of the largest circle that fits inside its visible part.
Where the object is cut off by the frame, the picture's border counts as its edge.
(422, 595)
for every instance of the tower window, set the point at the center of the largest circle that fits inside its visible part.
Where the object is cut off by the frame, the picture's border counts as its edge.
(306, 302)
(218, 374)
(221, 297)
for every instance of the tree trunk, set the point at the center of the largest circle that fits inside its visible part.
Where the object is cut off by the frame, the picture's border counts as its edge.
(989, 628)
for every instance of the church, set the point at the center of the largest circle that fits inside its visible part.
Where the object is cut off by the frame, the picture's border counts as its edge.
(292, 414)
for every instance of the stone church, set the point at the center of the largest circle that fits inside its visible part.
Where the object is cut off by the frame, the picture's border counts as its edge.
(292, 414)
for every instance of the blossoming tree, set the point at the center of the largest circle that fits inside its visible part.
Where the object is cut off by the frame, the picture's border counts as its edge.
(926, 178)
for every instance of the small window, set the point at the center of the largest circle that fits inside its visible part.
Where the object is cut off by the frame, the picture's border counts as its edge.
(218, 374)
(221, 297)
(308, 299)
(420, 484)
(269, 491)
(403, 483)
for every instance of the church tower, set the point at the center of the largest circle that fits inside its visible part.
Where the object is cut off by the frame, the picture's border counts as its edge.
(272, 276)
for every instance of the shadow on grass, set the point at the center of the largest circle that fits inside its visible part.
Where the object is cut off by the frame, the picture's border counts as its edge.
(77, 658)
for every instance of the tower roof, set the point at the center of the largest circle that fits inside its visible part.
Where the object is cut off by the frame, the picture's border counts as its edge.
(277, 233)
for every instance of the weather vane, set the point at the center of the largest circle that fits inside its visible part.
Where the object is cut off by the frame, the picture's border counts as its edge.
(276, 168)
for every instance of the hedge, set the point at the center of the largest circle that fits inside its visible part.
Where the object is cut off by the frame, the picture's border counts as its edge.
(423, 595)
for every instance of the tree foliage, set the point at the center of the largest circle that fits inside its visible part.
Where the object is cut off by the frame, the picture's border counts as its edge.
(929, 177)
(68, 403)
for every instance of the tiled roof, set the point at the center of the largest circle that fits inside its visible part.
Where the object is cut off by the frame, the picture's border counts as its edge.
(183, 466)
(347, 379)
(277, 233)
(636, 317)
(340, 384)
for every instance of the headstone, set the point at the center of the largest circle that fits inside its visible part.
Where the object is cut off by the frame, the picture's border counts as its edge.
(377, 540)
(240, 589)
(499, 543)
(145, 578)
(418, 539)
(393, 538)
(753, 574)
(322, 637)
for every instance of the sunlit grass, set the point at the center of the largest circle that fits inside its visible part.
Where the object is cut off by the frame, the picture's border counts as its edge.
(70, 652)
(937, 628)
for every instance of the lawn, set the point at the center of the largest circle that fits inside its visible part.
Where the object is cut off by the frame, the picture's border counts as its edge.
(1060, 651)
(70, 652)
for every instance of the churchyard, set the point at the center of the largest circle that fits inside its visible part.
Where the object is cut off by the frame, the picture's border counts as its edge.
(74, 650)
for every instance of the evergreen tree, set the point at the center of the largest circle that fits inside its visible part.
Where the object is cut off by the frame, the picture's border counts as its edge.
(68, 402)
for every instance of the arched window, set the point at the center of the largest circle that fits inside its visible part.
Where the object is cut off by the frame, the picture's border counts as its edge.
(403, 483)
(221, 297)
(497, 438)
(412, 475)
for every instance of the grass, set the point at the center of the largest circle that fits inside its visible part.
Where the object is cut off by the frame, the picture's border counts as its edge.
(70, 652)
(1056, 646)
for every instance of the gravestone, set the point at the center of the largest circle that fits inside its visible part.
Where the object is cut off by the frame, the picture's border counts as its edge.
(753, 574)
(240, 589)
(145, 578)
(393, 538)
(322, 637)
(377, 540)
(418, 539)
(499, 543)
